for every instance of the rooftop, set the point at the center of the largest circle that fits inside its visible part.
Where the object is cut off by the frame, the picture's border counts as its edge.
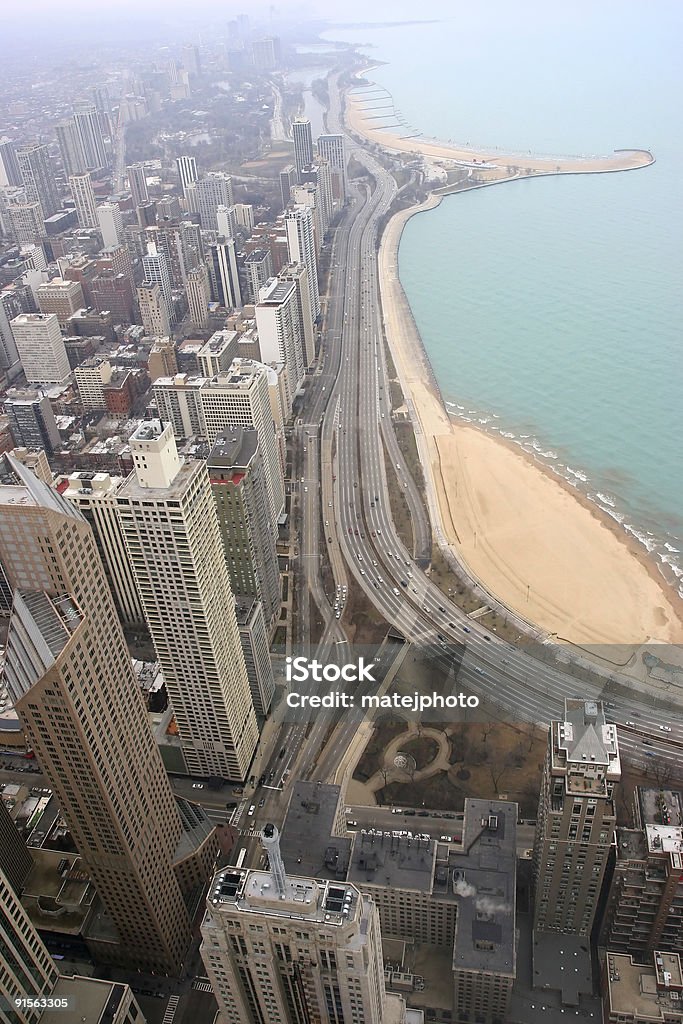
(92, 1000)
(234, 448)
(384, 859)
(307, 839)
(325, 902)
(645, 993)
(483, 879)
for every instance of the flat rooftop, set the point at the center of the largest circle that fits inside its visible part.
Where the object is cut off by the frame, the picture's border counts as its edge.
(483, 879)
(234, 448)
(325, 902)
(307, 842)
(648, 993)
(398, 862)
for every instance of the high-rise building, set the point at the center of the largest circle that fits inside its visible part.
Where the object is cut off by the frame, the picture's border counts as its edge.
(576, 819)
(63, 298)
(315, 190)
(288, 178)
(84, 198)
(248, 532)
(331, 148)
(259, 268)
(162, 360)
(225, 275)
(94, 495)
(266, 53)
(643, 912)
(137, 179)
(171, 531)
(301, 249)
(217, 355)
(191, 59)
(70, 147)
(41, 348)
(168, 237)
(178, 401)
(15, 859)
(280, 332)
(210, 192)
(291, 948)
(297, 273)
(303, 144)
(198, 290)
(92, 376)
(244, 217)
(10, 175)
(113, 292)
(187, 171)
(27, 222)
(227, 221)
(90, 133)
(31, 420)
(38, 178)
(241, 396)
(110, 223)
(255, 647)
(9, 356)
(28, 971)
(155, 269)
(69, 674)
(153, 310)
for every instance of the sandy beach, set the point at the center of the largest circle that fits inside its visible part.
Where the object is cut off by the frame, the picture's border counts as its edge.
(360, 121)
(532, 540)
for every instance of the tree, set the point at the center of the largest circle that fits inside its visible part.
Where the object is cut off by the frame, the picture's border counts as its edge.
(496, 771)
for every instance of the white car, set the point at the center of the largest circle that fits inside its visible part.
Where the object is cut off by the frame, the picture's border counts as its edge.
(250, 812)
(665, 728)
(198, 785)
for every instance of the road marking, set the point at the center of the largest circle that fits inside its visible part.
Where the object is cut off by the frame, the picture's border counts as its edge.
(202, 985)
(171, 1008)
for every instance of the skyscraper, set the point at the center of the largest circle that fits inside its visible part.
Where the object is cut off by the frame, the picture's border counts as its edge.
(259, 267)
(10, 175)
(28, 970)
(84, 198)
(288, 178)
(303, 143)
(248, 533)
(137, 179)
(64, 298)
(15, 859)
(70, 147)
(31, 420)
(198, 292)
(292, 949)
(225, 276)
(301, 249)
(171, 531)
(41, 348)
(155, 268)
(38, 178)
(576, 818)
(280, 332)
(298, 274)
(187, 171)
(242, 396)
(69, 673)
(255, 647)
(210, 192)
(332, 148)
(153, 309)
(88, 127)
(111, 224)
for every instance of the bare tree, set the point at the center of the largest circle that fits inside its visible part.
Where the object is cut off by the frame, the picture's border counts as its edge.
(496, 770)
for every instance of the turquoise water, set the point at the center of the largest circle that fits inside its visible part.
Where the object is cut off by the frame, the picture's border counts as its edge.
(552, 310)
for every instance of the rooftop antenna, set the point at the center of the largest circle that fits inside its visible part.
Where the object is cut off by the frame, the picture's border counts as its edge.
(270, 839)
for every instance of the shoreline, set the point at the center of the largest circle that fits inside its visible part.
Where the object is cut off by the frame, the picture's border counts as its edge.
(603, 586)
(509, 164)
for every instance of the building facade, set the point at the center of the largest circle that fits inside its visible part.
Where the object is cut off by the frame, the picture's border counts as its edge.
(41, 348)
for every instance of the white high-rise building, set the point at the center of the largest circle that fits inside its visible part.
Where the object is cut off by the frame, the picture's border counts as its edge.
(242, 395)
(297, 273)
(226, 280)
(111, 224)
(71, 148)
(41, 348)
(87, 122)
(179, 403)
(94, 495)
(137, 179)
(38, 178)
(227, 221)
(259, 268)
(171, 531)
(153, 311)
(187, 171)
(28, 971)
(281, 947)
(155, 268)
(332, 148)
(301, 249)
(303, 143)
(280, 332)
(210, 192)
(84, 198)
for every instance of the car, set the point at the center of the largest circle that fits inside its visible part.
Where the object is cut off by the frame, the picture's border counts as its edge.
(447, 814)
(250, 812)
(360, 558)
(376, 586)
(409, 814)
(282, 752)
(397, 591)
(632, 724)
(374, 562)
(329, 540)
(423, 814)
(397, 810)
(352, 824)
(648, 743)
(467, 629)
(262, 801)
(306, 489)
(665, 728)
(446, 839)
(409, 575)
(305, 449)
(327, 522)
(329, 504)
(337, 615)
(441, 608)
(404, 583)
(198, 785)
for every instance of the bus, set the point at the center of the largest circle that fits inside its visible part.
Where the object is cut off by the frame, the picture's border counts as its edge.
(240, 857)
